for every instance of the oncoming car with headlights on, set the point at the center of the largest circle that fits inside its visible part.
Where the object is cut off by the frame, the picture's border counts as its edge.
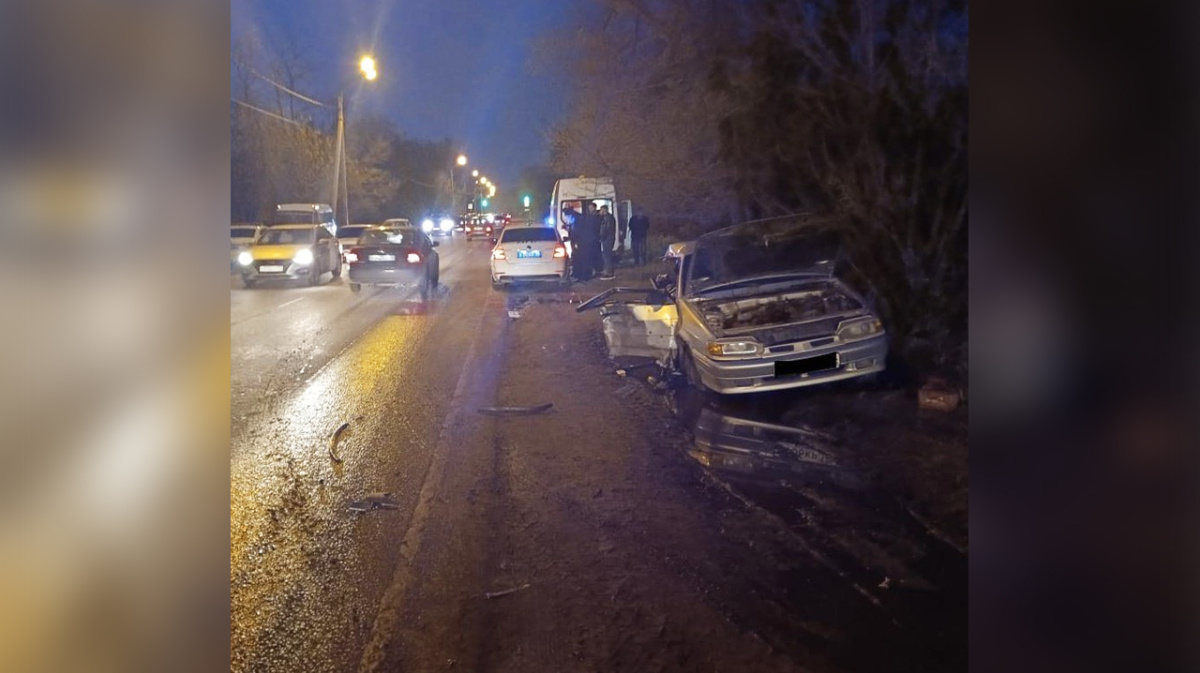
(438, 226)
(291, 252)
(528, 252)
(394, 258)
(759, 309)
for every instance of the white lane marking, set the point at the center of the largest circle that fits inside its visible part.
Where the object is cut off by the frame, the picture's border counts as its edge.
(289, 303)
(388, 616)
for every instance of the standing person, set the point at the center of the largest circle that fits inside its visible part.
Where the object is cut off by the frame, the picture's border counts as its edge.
(586, 241)
(607, 230)
(639, 225)
(571, 218)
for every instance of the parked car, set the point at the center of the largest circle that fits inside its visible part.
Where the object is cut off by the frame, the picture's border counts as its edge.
(241, 235)
(528, 252)
(394, 258)
(752, 308)
(291, 252)
(397, 223)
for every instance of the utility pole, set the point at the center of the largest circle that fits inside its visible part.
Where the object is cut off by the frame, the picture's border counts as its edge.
(344, 168)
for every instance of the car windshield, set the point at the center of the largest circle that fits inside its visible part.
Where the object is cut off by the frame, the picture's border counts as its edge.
(392, 237)
(756, 250)
(353, 231)
(242, 232)
(295, 217)
(286, 236)
(529, 235)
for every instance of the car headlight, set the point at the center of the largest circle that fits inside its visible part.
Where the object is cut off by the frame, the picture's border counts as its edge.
(447, 224)
(305, 256)
(427, 226)
(859, 328)
(734, 349)
(245, 258)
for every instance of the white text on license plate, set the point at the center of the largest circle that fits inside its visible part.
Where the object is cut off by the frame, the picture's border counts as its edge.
(270, 268)
(381, 258)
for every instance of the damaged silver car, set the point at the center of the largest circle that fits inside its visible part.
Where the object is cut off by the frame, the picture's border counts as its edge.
(760, 309)
(757, 308)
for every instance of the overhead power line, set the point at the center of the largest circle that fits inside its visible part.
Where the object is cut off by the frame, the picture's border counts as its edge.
(266, 112)
(281, 87)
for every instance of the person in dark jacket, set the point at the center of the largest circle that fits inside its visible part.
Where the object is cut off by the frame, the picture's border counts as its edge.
(607, 230)
(583, 242)
(639, 225)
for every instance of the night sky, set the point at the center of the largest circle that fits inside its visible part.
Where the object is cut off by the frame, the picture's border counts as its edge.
(462, 69)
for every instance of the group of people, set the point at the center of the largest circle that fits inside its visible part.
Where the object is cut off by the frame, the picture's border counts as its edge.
(597, 240)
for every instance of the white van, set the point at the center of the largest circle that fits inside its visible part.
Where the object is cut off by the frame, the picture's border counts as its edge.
(306, 213)
(578, 192)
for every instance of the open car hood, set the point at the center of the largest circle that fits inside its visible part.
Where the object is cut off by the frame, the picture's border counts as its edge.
(763, 252)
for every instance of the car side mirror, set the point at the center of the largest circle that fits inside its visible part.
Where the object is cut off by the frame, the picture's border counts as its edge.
(435, 243)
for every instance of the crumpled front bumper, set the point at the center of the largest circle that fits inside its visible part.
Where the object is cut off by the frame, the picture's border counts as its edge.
(855, 358)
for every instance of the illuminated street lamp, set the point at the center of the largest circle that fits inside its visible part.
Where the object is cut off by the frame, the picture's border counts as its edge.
(462, 160)
(367, 66)
(475, 173)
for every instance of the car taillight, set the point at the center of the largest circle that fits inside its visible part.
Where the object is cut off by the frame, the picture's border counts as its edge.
(560, 251)
(489, 230)
(352, 257)
(498, 254)
(413, 258)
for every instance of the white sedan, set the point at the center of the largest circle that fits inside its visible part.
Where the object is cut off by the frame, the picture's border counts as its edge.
(531, 252)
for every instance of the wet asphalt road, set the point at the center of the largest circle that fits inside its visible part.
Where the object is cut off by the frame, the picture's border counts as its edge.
(307, 575)
(474, 505)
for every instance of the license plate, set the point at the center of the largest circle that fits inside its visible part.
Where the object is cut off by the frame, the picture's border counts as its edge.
(381, 258)
(270, 268)
(523, 254)
(807, 365)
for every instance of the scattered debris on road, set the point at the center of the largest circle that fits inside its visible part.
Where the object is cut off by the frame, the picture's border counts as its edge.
(514, 314)
(373, 502)
(333, 441)
(499, 594)
(936, 394)
(516, 411)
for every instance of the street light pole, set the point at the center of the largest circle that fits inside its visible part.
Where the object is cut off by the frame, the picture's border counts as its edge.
(345, 167)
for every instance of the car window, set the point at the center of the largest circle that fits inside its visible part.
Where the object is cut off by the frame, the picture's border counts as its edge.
(242, 232)
(389, 237)
(350, 232)
(286, 236)
(295, 217)
(529, 235)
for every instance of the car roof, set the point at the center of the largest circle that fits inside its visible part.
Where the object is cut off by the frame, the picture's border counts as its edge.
(528, 225)
(295, 226)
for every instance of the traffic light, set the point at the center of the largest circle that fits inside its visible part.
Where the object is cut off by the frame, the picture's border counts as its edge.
(525, 200)
(483, 203)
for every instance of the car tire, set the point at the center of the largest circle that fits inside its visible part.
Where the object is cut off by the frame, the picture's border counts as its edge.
(248, 283)
(499, 287)
(314, 275)
(337, 268)
(355, 287)
(424, 289)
